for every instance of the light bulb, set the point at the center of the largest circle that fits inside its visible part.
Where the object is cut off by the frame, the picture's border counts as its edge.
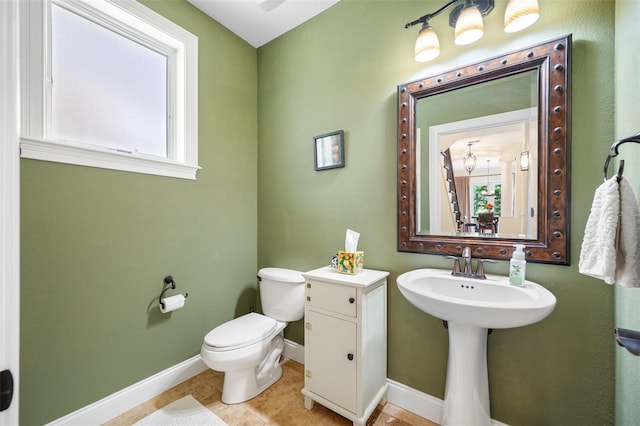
(427, 44)
(524, 161)
(520, 14)
(469, 26)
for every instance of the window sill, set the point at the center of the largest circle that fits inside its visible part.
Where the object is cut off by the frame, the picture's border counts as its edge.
(94, 156)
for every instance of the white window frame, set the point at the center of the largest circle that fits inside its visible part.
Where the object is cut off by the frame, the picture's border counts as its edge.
(138, 23)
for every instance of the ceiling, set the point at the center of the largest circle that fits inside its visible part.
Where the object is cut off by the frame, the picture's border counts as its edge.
(490, 146)
(260, 21)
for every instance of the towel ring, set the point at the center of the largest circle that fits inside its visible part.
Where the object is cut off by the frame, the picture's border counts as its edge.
(613, 152)
(606, 166)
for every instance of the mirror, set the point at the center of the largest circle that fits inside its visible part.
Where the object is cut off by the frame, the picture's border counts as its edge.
(483, 157)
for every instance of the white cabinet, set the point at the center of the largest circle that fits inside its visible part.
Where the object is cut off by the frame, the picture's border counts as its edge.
(346, 341)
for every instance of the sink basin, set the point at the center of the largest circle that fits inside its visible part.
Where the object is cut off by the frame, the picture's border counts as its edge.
(490, 303)
(471, 306)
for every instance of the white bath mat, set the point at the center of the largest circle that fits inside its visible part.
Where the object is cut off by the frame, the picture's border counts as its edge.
(183, 412)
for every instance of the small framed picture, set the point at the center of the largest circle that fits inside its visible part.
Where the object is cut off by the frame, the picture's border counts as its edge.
(328, 150)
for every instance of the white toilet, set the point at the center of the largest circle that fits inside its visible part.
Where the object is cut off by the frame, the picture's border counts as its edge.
(247, 349)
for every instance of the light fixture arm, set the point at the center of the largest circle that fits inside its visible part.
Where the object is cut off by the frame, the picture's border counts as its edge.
(426, 18)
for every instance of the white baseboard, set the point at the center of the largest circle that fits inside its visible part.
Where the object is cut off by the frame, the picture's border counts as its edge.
(122, 401)
(293, 351)
(419, 403)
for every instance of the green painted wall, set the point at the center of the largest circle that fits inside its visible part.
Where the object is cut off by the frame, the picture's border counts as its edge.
(340, 71)
(96, 245)
(627, 300)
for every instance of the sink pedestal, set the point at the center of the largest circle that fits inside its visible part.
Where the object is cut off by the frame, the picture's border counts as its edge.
(466, 400)
(471, 307)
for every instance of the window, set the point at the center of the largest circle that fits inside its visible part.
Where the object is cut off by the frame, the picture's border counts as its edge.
(487, 199)
(109, 84)
(94, 98)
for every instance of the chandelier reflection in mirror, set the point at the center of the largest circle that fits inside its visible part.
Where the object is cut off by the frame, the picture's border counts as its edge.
(466, 18)
(469, 160)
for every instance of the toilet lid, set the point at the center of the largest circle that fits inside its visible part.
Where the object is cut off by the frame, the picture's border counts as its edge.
(242, 331)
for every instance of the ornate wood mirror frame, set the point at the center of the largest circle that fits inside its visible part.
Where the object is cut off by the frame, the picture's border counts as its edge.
(551, 61)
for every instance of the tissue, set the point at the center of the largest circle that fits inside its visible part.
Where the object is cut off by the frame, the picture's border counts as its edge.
(172, 303)
(351, 261)
(351, 241)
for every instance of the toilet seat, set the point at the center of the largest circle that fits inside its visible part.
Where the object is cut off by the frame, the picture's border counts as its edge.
(242, 331)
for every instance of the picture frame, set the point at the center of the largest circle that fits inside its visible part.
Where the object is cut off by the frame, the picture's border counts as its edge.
(328, 150)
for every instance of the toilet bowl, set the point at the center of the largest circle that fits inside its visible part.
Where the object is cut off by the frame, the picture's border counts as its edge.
(248, 348)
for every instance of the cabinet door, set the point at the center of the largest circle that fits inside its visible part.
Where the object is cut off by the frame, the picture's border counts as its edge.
(332, 365)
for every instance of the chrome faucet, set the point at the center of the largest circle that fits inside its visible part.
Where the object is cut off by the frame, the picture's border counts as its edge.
(466, 255)
(467, 269)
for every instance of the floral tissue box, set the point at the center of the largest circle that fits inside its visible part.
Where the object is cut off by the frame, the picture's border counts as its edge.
(350, 262)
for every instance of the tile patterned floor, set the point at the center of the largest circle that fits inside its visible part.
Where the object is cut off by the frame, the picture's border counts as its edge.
(281, 404)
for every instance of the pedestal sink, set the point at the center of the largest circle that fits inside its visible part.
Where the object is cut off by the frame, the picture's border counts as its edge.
(471, 306)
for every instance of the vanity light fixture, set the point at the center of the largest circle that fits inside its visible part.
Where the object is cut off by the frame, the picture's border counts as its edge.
(466, 17)
(524, 154)
(524, 161)
(469, 160)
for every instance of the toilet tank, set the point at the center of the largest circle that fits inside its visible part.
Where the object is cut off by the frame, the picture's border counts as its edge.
(282, 293)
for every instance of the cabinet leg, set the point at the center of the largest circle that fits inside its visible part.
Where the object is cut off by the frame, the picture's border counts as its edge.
(359, 423)
(308, 403)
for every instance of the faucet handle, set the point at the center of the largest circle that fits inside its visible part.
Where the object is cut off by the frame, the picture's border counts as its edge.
(456, 264)
(480, 268)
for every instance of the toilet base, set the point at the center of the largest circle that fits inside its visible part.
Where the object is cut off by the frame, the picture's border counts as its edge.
(243, 385)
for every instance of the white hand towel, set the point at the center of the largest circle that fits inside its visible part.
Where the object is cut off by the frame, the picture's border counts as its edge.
(598, 254)
(628, 253)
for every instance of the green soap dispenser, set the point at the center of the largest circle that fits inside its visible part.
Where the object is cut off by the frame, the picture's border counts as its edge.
(517, 266)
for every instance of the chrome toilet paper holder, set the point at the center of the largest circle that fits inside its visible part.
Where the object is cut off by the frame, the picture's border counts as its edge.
(169, 284)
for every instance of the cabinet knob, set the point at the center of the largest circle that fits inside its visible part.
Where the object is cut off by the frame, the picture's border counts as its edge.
(351, 300)
(350, 357)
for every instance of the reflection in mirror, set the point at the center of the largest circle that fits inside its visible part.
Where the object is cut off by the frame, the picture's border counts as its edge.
(483, 157)
(494, 182)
